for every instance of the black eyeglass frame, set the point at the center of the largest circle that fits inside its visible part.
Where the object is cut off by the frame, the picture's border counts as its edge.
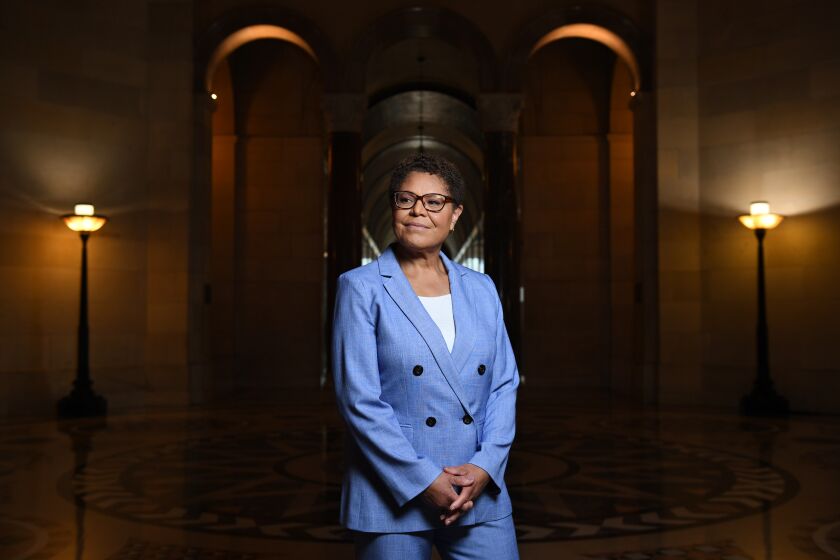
(422, 199)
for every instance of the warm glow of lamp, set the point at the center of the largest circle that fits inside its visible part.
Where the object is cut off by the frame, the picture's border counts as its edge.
(84, 219)
(760, 217)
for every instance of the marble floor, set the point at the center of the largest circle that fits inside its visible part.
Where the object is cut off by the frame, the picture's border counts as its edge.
(261, 482)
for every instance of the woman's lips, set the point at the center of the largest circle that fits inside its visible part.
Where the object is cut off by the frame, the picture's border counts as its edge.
(416, 226)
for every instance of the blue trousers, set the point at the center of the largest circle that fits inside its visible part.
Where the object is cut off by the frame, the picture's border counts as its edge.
(491, 540)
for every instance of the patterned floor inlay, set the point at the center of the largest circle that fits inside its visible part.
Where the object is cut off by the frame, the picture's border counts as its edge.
(717, 551)
(261, 483)
(611, 486)
(29, 538)
(566, 486)
(820, 539)
(136, 549)
(827, 538)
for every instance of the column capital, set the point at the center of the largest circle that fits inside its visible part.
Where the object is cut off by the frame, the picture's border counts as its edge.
(343, 112)
(499, 112)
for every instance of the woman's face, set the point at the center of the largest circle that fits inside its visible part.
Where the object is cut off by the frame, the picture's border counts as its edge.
(417, 228)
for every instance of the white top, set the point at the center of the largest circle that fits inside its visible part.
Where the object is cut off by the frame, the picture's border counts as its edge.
(440, 310)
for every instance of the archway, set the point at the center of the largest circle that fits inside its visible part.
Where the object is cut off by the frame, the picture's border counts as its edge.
(588, 204)
(258, 210)
(422, 81)
(598, 34)
(247, 35)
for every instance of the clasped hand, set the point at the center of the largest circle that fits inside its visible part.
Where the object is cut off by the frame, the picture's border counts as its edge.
(442, 496)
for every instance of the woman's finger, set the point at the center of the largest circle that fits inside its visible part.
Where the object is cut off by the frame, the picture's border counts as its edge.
(463, 497)
(451, 495)
(462, 480)
(452, 517)
(456, 514)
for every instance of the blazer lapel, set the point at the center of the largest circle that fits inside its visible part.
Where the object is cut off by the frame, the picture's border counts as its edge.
(400, 290)
(463, 307)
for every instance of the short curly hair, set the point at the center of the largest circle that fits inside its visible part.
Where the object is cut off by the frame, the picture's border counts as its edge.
(433, 165)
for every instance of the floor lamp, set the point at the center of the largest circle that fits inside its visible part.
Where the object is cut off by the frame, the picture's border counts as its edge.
(763, 400)
(82, 401)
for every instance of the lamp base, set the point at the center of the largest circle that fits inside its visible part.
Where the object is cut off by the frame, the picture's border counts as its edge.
(764, 404)
(82, 404)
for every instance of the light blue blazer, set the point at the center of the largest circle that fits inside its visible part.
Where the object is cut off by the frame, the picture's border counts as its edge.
(411, 407)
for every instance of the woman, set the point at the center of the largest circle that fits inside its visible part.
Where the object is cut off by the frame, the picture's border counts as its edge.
(426, 380)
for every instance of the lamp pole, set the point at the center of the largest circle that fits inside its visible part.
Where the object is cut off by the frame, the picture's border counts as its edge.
(763, 400)
(82, 400)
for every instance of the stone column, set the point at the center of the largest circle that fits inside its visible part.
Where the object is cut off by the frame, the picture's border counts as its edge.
(499, 114)
(199, 262)
(647, 265)
(344, 114)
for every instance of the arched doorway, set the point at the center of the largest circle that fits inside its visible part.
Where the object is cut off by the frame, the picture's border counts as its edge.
(422, 119)
(589, 305)
(422, 81)
(258, 329)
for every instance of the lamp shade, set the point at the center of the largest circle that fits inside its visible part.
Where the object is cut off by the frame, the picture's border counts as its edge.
(84, 219)
(760, 217)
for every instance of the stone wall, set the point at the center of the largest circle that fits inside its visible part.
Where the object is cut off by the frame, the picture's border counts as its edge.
(96, 107)
(99, 105)
(749, 109)
(680, 293)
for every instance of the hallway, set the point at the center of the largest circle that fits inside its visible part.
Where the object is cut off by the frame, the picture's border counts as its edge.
(262, 482)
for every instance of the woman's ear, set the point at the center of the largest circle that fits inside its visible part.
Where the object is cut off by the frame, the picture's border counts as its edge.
(455, 214)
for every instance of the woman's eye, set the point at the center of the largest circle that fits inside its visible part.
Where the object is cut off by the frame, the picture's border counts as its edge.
(433, 203)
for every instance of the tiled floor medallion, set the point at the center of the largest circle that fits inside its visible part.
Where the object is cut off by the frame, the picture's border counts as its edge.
(29, 538)
(136, 549)
(819, 539)
(713, 551)
(565, 485)
(586, 485)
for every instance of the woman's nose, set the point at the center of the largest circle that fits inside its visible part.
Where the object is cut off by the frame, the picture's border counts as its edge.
(414, 208)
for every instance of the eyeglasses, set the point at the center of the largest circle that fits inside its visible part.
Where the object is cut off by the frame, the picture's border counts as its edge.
(433, 202)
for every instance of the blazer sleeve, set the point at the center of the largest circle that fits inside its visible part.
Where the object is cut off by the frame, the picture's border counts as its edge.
(371, 421)
(500, 410)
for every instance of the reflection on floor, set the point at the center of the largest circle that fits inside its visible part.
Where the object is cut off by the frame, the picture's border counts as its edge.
(263, 483)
